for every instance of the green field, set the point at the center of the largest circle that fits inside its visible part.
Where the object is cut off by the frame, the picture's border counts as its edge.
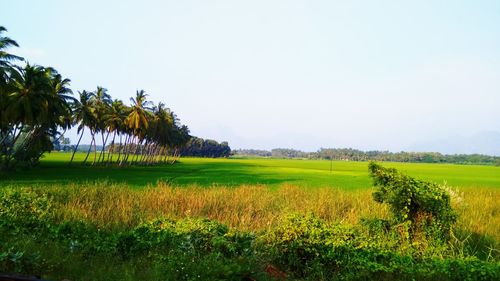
(234, 219)
(234, 172)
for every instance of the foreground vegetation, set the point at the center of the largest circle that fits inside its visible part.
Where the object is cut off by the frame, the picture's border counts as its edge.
(250, 232)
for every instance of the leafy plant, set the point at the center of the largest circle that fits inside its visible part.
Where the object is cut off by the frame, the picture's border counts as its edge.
(24, 209)
(418, 207)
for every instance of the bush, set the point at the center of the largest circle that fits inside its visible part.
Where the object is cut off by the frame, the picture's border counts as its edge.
(419, 207)
(310, 249)
(24, 209)
(305, 244)
(199, 235)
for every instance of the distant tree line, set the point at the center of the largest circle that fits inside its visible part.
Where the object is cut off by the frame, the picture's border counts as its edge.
(289, 153)
(198, 147)
(349, 154)
(417, 157)
(252, 152)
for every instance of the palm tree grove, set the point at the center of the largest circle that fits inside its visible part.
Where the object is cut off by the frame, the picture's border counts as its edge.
(38, 106)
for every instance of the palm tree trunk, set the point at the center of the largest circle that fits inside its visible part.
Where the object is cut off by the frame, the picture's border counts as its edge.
(120, 148)
(167, 156)
(149, 159)
(102, 149)
(11, 148)
(7, 134)
(155, 153)
(90, 148)
(144, 152)
(76, 147)
(95, 150)
(173, 156)
(139, 142)
(104, 141)
(150, 151)
(127, 149)
(110, 153)
(165, 152)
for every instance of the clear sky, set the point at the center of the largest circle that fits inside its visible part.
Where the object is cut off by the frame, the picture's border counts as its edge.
(299, 74)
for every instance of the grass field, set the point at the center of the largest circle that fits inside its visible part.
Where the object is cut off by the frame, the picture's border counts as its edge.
(234, 172)
(234, 219)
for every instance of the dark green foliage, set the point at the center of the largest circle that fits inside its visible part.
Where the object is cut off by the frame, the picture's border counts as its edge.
(198, 147)
(12, 261)
(24, 210)
(304, 244)
(310, 249)
(288, 153)
(421, 207)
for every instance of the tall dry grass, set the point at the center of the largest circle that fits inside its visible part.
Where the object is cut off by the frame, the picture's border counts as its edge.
(254, 207)
(246, 207)
(477, 230)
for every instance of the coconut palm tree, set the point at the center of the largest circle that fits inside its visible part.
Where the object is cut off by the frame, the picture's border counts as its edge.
(28, 103)
(115, 123)
(84, 115)
(61, 101)
(39, 105)
(164, 127)
(6, 88)
(102, 101)
(137, 120)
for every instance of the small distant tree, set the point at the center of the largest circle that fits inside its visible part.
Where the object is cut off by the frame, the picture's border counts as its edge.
(65, 141)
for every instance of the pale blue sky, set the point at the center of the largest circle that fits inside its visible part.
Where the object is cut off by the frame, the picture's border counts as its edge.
(301, 74)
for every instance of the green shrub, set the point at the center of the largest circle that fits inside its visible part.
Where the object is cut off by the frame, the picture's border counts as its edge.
(200, 235)
(305, 244)
(419, 207)
(24, 209)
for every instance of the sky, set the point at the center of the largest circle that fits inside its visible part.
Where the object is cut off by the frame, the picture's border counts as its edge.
(385, 75)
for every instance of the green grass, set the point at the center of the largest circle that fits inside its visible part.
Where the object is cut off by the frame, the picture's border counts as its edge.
(101, 223)
(235, 172)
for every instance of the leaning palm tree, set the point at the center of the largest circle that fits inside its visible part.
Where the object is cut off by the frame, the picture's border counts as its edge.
(102, 101)
(39, 106)
(115, 123)
(28, 104)
(84, 116)
(61, 100)
(137, 120)
(6, 88)
(163, 128)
